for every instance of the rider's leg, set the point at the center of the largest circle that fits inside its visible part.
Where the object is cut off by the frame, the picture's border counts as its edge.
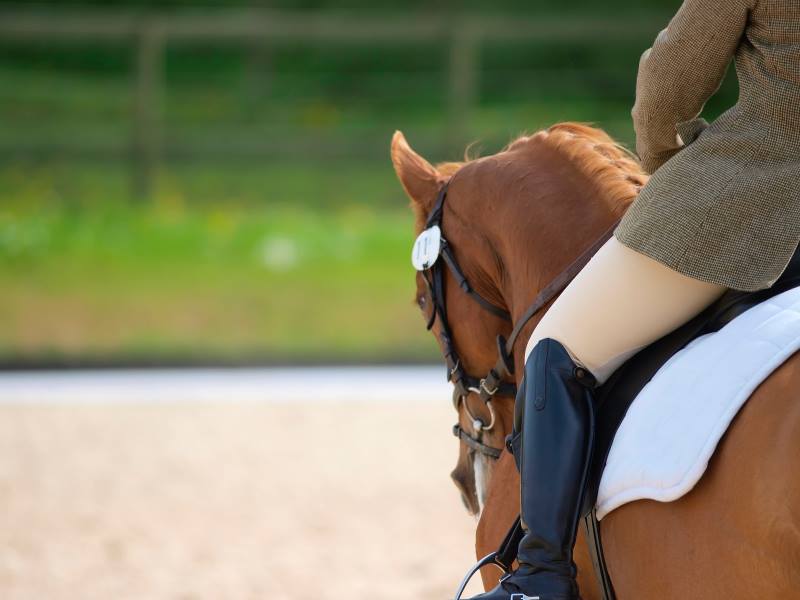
(620, 302)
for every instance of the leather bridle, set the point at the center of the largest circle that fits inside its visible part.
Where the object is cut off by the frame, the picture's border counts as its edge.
(499, 380)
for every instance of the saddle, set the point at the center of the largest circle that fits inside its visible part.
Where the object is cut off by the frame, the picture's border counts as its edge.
(617, 394)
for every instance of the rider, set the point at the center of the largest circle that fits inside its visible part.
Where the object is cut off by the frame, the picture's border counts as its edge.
(721, 211)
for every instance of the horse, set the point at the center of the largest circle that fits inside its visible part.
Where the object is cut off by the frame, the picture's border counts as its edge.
(514, 221)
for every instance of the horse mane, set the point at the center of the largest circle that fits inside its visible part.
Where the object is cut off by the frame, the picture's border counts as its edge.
(614, 168)
(611, 166)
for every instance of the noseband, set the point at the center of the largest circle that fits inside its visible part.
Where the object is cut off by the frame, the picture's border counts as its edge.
(499, 381)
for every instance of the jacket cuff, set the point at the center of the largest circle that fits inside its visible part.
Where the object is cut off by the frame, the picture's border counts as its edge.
(652, 162)
(690, 130)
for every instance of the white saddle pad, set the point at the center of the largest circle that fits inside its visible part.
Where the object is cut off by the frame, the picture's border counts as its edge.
(673, 427)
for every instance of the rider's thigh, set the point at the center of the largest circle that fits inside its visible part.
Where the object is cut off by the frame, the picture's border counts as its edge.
(620, 302)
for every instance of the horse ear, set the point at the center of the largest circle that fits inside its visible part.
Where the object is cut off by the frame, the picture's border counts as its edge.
(419, 178)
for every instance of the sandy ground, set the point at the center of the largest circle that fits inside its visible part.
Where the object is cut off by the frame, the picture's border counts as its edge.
(341, 500)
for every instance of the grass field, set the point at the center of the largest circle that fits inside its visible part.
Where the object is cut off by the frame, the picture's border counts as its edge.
(225, 279)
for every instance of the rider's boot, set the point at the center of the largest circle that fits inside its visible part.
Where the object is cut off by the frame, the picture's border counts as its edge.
(554, 421)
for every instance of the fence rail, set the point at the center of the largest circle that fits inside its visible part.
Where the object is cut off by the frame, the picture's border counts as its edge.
(150, 33)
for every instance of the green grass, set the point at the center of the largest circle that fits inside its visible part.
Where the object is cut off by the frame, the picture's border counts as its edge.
(225, 280)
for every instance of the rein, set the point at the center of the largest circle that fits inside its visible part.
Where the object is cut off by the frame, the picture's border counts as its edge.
(496, 382)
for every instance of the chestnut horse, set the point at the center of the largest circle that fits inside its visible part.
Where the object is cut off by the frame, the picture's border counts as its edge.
(514, 221)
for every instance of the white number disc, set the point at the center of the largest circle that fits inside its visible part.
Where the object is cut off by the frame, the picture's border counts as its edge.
(426, 248)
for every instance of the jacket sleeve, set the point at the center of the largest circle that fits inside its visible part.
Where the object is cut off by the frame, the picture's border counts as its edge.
(683, 69)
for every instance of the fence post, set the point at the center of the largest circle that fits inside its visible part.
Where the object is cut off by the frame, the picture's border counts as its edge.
(463, 81)
(147, 109)
(256, 76)
(258, 62)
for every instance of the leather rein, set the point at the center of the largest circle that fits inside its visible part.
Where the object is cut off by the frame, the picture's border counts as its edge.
(499, 380)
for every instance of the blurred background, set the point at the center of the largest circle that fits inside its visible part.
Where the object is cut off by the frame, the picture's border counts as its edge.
(188, 184)
(183, 181)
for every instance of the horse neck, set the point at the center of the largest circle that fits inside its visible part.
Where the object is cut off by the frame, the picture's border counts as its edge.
(543, 237)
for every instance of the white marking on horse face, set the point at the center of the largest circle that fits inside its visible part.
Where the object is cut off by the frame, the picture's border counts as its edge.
(480, 467)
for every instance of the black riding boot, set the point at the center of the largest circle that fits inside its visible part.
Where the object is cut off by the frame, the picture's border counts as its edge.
(553, 423)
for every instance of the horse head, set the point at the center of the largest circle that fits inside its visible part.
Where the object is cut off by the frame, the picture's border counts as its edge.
(512, 222)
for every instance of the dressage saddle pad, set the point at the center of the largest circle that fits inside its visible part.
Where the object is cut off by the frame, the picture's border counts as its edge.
(671, 430)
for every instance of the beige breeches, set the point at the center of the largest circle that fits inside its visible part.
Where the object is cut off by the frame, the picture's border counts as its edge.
(620, 302)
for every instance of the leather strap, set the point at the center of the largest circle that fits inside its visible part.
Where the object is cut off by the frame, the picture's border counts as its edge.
(448, 257)
(465, 437)
(507, 552)
(596, 553)
(557, 285)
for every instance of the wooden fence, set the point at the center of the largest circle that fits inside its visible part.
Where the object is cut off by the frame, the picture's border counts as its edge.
(150, 33)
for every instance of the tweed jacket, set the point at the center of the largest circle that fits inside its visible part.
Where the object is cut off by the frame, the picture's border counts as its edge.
(723, 202)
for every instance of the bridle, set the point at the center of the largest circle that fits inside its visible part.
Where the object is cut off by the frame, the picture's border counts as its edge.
(499, 380)
(496, 381)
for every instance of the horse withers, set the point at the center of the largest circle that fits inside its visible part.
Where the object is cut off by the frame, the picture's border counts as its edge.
(514, 221)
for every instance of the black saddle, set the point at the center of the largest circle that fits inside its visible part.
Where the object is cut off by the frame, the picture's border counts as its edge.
(616, 395)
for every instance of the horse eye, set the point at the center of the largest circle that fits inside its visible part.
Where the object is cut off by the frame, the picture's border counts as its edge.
(421, 302)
